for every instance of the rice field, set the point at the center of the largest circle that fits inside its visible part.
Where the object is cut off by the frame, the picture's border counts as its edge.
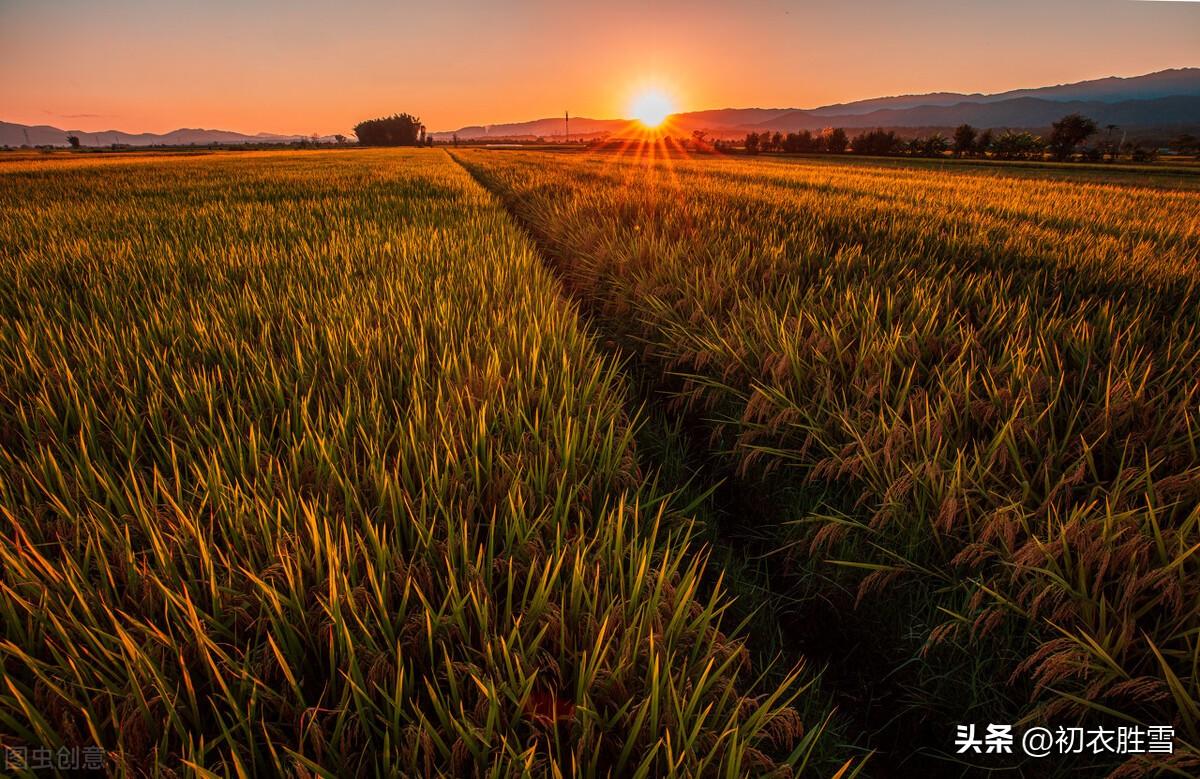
(356, 463)
(309, 468)
(973, 394)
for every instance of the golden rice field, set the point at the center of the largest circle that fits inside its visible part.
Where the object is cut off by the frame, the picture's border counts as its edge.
(347, 463)
(308, 468)
(985, 385)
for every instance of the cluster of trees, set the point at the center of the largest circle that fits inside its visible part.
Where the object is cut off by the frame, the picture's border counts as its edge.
(1064, 143)
(967, 141)
(303, 143)
(833, 141)
(395, 130)
(1186, 143)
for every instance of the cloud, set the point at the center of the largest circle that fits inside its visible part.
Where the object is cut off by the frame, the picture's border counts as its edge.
(77, 116)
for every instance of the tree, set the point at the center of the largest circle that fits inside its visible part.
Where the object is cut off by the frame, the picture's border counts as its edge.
(802, 141)
(339, 138)
(1017, 146)
(752, 143)
(964, 140)
(1186, 143)
(1110, 147)
(836, 141)
(875, 142)
(73, 140)
(396, 130)
(1069, 132)
(983, 144)
(1140, 153)
(935, 145)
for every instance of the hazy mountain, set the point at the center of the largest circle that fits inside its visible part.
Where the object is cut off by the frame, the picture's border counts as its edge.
(1020, 112)
(1166, 99)
(580, 127)
(727, 117)
(1164, 83)
(45, 135)
(1163, 99)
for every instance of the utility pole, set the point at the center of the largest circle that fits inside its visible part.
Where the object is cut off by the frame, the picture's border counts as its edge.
(567, 126)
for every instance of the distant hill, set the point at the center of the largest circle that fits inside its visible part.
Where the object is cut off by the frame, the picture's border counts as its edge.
(537, 128)
(44, 135)
(727, 117)
(1166, 99)
(1164, 83)
(581, 127)
(1020, 112)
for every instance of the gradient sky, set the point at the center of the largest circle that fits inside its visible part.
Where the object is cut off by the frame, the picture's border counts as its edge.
(304, 67)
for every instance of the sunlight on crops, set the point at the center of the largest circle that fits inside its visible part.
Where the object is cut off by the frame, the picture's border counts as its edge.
(986, 379)
(308, 468)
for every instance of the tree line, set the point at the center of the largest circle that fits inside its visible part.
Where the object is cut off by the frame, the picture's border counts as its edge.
(1065, 142)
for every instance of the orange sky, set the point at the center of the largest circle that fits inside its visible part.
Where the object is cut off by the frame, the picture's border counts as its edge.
(303, 67)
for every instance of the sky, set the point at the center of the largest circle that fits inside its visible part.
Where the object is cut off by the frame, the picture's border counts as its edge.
(320, 67)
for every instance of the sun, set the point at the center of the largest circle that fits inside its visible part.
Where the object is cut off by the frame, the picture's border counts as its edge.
(651, 107)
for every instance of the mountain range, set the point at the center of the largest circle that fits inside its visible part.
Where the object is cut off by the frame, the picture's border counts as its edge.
(1168, 100)
(12, 134)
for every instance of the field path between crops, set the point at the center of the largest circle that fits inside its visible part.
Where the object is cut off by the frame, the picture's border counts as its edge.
(783, 630)
(712, 488)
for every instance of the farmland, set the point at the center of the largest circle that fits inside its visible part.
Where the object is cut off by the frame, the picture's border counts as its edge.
(496, 463)
(309, 467)
(972, 394)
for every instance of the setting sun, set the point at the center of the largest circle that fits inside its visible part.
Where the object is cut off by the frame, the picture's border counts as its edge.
(651, 107)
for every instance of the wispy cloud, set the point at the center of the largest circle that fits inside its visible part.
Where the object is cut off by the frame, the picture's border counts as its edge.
(76, 116)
